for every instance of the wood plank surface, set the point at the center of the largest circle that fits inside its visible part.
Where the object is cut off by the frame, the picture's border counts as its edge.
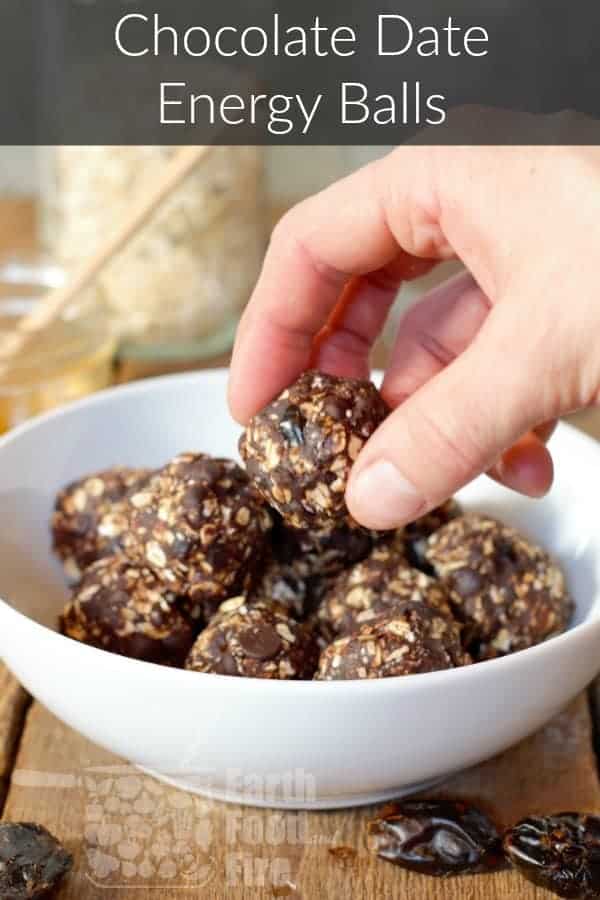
(135, 838)
(17, 236)
(13, 706)
(17, 226)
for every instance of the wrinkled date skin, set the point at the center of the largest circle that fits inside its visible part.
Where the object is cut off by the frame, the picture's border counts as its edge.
(32, 862)
(560, 853)
(437, 837)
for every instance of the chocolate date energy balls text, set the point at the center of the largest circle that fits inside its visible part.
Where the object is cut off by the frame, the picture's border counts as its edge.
(300, 448)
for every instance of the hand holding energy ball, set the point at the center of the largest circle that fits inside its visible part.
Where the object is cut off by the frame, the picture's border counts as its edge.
(479, 362)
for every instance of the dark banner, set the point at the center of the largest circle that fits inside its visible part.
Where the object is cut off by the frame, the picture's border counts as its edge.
(283, 72)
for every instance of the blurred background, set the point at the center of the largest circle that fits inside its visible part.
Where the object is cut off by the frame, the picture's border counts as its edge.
(171, 298)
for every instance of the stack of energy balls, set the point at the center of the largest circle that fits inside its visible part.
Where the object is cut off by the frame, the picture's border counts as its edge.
(263, 573)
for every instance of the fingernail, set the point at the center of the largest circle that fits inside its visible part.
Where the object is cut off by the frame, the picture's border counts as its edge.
(380, 497)
(526, 469)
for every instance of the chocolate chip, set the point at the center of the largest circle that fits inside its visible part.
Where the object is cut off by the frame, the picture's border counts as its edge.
(466, 582)
(260, 642)
(507, 560)
(332, 408)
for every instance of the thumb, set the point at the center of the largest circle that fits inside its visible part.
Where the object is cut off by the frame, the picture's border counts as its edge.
(450, 430)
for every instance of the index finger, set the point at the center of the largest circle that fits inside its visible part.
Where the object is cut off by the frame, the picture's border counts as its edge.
(343, 231)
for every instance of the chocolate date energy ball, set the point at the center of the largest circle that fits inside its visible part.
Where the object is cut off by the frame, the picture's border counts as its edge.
(300, 448)
(414, 638)
(289, 583)
(303, 562)
(508, 592)
(257, 640)
(127, 610)
(201, 527)
(325, 551)
(91, 515)
(377, 585)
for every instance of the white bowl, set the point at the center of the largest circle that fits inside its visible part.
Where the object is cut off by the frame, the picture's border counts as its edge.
(294, 744)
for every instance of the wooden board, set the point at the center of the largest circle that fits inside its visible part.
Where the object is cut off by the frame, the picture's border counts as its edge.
(13, 706)
(135, 838)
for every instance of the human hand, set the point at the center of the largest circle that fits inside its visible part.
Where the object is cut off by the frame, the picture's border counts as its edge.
(479, 362)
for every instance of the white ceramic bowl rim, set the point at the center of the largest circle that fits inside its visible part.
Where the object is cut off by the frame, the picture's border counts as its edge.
(380, 685)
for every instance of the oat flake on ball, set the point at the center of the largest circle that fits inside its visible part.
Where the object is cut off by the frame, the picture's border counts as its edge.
(300, 448)
(201, 527)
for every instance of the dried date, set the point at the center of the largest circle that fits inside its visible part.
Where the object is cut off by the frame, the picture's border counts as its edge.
(32, 862)
(560, 853)
(437, 837)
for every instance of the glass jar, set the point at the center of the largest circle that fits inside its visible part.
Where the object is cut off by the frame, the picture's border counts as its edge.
(69, 359)
(177, 290)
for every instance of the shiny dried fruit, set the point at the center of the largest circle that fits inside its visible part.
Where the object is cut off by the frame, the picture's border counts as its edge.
(437, 837)
(32, 862)
(560, 853)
